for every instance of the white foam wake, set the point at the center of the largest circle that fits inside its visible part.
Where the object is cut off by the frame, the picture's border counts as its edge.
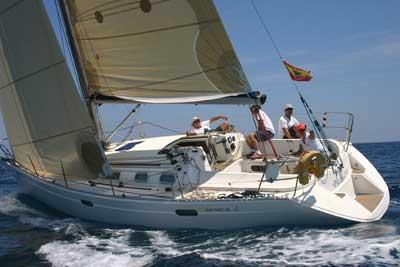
(88, 250)
(310, 247)
(395, 202)
(376, 243)
(10, 205)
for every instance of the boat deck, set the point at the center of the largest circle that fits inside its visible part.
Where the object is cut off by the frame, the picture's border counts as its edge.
(221, 183)
(251, 182)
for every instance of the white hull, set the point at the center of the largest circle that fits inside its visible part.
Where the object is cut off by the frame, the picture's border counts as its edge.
(218, 215)
(354, 192)
(202, 181)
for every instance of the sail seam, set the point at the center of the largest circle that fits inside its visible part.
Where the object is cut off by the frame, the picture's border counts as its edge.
(151, 31)
(53, 136)
(87, 17)
(112, 89)
(88, 12)
(32, 74)
(11, 7)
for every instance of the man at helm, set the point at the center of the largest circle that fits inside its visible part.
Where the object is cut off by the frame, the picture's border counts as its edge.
(202, 127)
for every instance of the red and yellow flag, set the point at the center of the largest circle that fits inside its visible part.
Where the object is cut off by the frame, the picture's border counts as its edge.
(298, 74)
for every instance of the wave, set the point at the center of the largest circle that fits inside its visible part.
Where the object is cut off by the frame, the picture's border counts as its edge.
(360, 244)
(90, 250)
(11, 206)
(80, 243)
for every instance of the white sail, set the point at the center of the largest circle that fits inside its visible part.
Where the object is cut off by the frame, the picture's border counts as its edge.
(164, 51)
(45, 119)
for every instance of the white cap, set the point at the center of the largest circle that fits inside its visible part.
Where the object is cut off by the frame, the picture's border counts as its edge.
(288, 106)
(195, 118)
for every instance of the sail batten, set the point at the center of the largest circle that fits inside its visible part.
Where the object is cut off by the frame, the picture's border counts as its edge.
(162, 49)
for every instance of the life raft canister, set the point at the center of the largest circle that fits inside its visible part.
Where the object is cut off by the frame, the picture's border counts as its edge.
(311, 162)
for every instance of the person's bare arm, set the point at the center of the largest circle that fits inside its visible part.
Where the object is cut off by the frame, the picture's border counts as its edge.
(213, 119)
(287, 133)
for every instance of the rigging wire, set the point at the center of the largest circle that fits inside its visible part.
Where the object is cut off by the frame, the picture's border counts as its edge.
(112, 8)
(60, 28)
(102, 75)
(83, 90)
(64, 39)
(317, 127)
(266, 29)
(149, 123)
(95, 108)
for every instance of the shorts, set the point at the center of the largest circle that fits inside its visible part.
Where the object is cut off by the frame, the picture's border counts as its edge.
(262, 136)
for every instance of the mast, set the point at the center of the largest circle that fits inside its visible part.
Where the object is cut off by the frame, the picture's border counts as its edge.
(82, 78)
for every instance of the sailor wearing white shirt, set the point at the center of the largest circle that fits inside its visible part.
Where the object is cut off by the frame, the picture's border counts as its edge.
(287, 123)
(308, 140)
(202, 127)
(265, 131)
(311, 143)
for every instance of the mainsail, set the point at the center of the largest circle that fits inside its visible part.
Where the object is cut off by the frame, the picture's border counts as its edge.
(157, 51)
(48, 126)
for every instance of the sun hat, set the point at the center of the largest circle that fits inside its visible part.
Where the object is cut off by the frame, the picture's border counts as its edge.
(287, 106)
(194, 119)
(301, 127)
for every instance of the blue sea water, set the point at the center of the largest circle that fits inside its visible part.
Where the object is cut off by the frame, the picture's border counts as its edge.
(33, 235)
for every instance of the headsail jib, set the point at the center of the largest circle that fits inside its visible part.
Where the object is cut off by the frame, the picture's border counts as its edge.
(160, 50)
(46, 121)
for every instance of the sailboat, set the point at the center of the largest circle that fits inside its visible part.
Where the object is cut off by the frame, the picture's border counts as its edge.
(152, 52)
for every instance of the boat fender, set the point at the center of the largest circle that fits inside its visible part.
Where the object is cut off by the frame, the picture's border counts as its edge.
(311, 162)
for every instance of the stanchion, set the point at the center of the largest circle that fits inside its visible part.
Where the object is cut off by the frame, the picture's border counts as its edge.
(65, 179)
(33, 166)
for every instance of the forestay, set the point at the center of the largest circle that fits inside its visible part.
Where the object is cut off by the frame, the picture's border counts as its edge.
(157, 51)
(45, 119)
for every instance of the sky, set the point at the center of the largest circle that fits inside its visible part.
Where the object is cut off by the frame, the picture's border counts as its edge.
(351, 47)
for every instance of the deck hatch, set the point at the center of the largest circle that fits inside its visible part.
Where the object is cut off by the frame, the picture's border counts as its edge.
(128, 146)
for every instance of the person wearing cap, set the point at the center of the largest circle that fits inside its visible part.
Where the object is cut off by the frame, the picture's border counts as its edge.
(265, 131)
(287, 123)
(202, 127)
(308, 140)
